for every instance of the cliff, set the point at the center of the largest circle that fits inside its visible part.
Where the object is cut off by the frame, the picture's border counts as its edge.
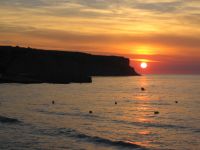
(26, 65)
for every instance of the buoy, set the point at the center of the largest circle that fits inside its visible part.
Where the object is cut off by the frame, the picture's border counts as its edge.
(156, 112)
(115, 103)
(53, 102)
(90, 112)
(142, 89)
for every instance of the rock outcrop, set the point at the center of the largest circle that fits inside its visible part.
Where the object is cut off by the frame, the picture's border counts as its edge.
(27, 65)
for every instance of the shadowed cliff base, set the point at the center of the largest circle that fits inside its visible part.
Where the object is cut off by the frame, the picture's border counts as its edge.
(27, 65)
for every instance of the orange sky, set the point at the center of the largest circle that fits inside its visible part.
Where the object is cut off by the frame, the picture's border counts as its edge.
(164, 33)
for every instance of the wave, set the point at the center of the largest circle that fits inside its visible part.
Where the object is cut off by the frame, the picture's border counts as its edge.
(149, 124)
(96, 117)
(197, 130)
(95, 139)
(99, 118)
(8, 120)
(75, 114)
(152, 102)
(72, 133)
(50, 112)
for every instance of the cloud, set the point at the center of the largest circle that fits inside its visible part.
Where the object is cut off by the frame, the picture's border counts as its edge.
(193, 18)
(6, 42)
(164, 7)
(22, 3)
(172, 23)
(167, 63)
(168, 40)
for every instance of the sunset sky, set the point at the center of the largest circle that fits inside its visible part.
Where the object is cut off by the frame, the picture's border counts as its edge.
(163, 33)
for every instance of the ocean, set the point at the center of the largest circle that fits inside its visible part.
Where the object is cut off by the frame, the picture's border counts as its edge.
(112, 113)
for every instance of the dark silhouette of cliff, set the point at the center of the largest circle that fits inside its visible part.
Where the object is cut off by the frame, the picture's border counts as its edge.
(27, 65)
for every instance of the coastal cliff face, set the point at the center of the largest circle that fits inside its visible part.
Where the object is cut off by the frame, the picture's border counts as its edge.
(28, 65)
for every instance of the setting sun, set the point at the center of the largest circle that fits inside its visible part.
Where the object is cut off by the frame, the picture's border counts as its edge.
(143, 65)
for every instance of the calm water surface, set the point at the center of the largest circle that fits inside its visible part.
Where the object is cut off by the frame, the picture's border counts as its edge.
(129, 124)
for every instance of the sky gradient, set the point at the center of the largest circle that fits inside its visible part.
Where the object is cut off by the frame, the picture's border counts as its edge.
(163, 33)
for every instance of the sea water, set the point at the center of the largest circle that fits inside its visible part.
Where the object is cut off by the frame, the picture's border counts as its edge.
(123, 116)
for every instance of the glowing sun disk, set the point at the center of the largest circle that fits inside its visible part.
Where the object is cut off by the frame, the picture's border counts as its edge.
(143, 65)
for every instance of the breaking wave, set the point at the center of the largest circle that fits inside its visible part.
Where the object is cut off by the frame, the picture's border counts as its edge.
(8, 120)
